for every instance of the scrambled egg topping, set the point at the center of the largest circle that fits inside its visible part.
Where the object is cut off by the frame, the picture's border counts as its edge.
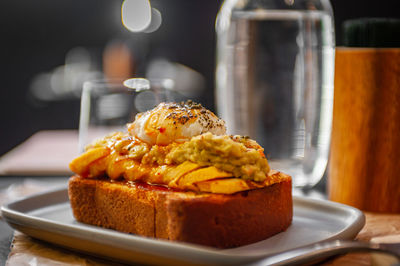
(205, 162)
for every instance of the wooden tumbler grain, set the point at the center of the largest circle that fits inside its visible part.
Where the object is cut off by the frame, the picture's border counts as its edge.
(364, 168)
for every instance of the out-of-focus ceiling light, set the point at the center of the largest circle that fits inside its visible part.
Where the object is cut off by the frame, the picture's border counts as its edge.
(136, 14)
(139, 16)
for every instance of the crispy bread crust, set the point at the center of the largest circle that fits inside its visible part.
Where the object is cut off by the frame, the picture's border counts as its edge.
(217, 220)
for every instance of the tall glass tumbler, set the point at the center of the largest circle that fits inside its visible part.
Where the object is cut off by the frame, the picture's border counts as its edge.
(108, 105)
(274, 80)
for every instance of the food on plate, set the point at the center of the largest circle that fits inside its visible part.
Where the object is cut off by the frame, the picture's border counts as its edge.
(175, 174)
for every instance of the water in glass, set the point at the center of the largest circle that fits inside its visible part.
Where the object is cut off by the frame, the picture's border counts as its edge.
(275, 83)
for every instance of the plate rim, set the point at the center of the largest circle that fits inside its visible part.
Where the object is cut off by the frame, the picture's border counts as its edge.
(16, 218)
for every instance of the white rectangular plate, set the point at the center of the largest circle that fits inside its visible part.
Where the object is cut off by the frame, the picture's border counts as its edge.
(49, 217)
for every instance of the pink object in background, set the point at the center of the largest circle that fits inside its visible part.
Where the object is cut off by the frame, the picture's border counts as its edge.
(44, 153)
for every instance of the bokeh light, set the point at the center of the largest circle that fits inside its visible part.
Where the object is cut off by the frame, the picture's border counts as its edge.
(136, 14)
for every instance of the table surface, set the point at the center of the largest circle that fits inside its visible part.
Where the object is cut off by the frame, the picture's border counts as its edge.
(6, 232)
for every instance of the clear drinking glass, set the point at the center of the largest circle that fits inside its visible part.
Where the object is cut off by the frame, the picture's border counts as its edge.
(274, 80)
(108, 105)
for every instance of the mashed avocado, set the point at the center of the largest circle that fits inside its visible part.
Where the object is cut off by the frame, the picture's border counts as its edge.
(242, 157)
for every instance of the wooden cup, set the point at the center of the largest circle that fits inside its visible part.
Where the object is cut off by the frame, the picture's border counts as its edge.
(364, 167)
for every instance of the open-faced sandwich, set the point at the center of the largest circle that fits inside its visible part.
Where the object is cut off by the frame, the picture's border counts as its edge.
(176, 175)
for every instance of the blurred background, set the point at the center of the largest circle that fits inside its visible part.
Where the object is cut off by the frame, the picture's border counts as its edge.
(48, 48)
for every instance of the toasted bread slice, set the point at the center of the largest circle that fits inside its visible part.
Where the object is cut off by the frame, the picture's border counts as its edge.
(218, 220)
